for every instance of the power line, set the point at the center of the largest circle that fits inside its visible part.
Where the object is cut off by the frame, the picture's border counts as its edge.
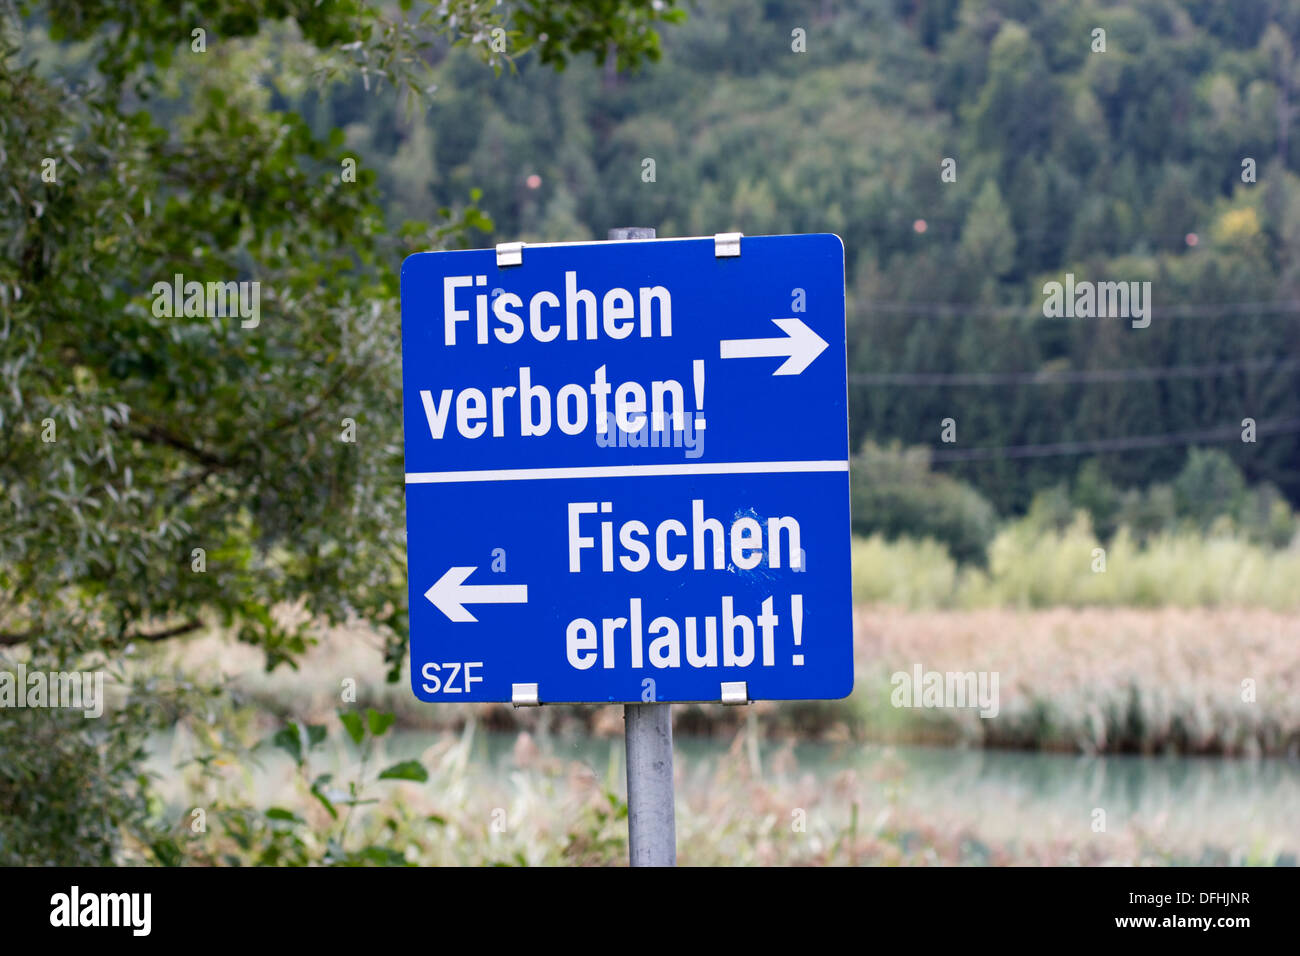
(1221, 433)
(933, 310)
(1070, 376)
(1191, 241)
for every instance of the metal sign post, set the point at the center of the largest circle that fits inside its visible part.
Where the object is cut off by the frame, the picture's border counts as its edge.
(651, 815)
(648, 734)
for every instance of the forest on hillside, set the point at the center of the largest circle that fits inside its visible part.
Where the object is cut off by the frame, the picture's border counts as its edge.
(1128, 164)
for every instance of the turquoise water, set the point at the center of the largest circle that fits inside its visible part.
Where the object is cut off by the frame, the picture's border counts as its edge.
(1216, 810)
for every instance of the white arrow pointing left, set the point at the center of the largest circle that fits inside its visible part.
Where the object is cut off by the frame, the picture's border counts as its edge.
(450, 594)
(799, 346)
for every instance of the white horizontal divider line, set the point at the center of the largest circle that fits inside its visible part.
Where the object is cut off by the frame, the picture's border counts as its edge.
(627, 471)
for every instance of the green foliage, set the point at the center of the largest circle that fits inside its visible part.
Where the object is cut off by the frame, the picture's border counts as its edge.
(1033, 566)
(405, 770)
(1051, 510)
(1067, 160)
(1209, 485)
(564, 28)
(600, 837)
(987, 240)
(905, 572)
(1097, 495)
(895, 493)
(159, 472)
(184, 432)
(1210, 494)
(64, 793)
(1265, 516)
(72, 788)
(280, 836)
(1148, 512)
(382, 41)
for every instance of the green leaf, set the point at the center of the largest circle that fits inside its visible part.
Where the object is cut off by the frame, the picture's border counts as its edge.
(167, 851)
(382, 856)
(406, 770)
(319, 794)
(289, 739)
(352, 724)
(379, 722)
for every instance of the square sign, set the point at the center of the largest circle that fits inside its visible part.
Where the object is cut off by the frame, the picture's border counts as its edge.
(627, 471)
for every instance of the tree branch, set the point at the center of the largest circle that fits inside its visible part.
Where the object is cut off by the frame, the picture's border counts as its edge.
(14, 638)
(193, 624)
(158, 435)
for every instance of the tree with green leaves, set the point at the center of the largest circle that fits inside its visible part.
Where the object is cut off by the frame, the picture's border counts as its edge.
(163, 468)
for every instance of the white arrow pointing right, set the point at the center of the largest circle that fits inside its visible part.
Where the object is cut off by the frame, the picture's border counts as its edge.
(799, 346)
(450, 594)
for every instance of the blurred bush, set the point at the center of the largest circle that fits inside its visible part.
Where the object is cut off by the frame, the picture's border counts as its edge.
(1033, 566)
(69, 793)
(1209, 486)
(895, 494)
(1209, 496)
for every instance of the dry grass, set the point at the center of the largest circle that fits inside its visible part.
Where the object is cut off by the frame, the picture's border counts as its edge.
(1090, 680)
(1094, 680)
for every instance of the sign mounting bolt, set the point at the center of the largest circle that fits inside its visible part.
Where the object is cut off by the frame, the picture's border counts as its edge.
(524, 695)
(510, 254)
(735, 692)
(726, 244)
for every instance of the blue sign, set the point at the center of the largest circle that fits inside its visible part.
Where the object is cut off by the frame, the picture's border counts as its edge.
(627, 471)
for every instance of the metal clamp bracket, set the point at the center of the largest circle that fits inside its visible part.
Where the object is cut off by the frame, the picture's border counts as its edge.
(735, 692)
(524, 695)
(510, 254)
(726, 244)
